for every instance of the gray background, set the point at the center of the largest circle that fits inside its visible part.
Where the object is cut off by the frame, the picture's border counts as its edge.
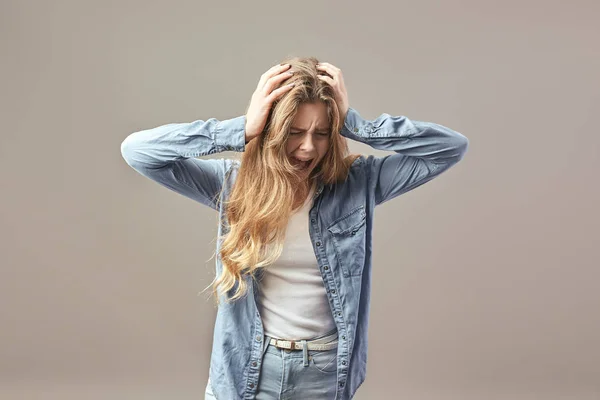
(485, 279)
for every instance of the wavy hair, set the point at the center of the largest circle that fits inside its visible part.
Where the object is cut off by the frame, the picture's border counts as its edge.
(268, 184)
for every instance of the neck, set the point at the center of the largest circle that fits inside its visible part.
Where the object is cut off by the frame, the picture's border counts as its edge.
(302, 192)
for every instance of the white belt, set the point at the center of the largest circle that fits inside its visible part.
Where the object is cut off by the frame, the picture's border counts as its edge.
(325, 343)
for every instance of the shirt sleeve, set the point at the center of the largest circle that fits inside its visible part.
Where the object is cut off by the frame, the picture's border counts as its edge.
(166, 154)
(422, 151)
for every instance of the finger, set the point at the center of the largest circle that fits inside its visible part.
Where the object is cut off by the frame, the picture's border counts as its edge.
(275, 94)
(274, 81)
(327, 79)
(326, 71)
(274, 70)
(328, 67)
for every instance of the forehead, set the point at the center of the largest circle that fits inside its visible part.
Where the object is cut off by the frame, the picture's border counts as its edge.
(311, 114)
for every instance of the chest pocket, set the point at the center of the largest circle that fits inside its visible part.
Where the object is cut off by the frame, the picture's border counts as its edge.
(348, 236)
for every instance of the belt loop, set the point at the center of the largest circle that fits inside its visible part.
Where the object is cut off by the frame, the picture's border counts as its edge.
(267, 341)
(305, 352)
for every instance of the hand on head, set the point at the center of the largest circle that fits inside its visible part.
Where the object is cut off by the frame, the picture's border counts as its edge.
(336, 81)
(267, 91)
(263, 98)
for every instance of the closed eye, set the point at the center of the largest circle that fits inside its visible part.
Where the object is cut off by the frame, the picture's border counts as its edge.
(323, 134)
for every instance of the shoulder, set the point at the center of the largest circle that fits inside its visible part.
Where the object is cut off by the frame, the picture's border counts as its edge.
(355, 161)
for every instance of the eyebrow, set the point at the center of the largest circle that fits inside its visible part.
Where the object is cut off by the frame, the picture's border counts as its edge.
(319, 130)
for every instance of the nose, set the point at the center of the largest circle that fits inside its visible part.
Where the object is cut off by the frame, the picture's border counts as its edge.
(307, 145)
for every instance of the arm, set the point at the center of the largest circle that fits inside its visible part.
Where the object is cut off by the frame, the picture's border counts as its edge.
(423, 150)
(166, 154)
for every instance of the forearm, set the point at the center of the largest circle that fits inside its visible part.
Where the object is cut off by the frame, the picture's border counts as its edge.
(426, 140)
(157, 147)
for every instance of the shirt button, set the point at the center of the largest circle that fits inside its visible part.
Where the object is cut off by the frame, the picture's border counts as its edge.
(326, 268)
(339, 314)
(318, 243)
(343, 363)
(258, 338)
(251, 385)
(312, 220)
(344, 337)
(341, 384)
(355, 129)
(332, 290)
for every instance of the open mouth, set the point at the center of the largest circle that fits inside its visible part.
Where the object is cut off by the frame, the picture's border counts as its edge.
(302, 164)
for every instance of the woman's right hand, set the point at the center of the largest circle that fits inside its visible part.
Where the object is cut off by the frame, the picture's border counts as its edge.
(263, 98)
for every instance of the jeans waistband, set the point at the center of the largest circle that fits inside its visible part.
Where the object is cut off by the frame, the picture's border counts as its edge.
(326, 338)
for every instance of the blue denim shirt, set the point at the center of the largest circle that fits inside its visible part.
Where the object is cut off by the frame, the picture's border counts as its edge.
(340, 225)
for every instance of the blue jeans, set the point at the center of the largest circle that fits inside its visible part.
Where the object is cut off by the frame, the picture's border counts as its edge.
(297, 374)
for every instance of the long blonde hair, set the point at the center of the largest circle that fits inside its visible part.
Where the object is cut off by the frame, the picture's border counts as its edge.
(262, 198)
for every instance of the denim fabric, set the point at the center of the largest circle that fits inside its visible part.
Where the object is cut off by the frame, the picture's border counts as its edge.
(287, 374)
(340, 226)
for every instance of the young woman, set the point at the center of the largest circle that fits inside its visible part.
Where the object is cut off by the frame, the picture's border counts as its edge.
(293, 265)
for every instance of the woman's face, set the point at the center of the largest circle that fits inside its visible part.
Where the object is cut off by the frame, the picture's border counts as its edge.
(309, 137)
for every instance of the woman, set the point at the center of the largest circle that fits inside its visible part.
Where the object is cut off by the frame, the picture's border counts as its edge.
(293, 265)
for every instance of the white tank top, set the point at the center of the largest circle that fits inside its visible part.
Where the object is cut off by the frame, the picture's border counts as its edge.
(292, 299)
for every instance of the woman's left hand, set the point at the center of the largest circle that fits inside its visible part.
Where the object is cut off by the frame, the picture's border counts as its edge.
(336, 81)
